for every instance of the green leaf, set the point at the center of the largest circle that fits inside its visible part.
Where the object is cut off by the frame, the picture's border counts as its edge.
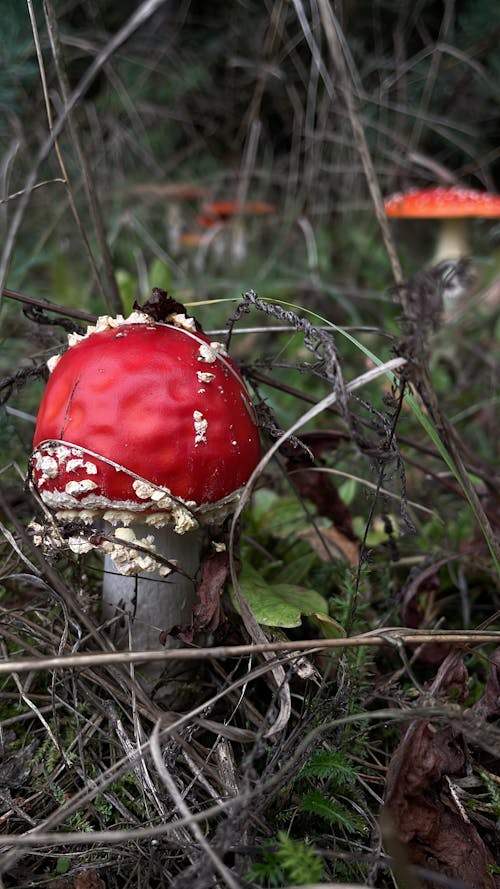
(267, 872)
(63, 865)
(160, 275)
(330, 627)
(298, 570)
(285, 860)
(332, 811)
(347, 490)
(126, 286)
(279, 516)
(331, 764)
(299, 860)
(277, 604)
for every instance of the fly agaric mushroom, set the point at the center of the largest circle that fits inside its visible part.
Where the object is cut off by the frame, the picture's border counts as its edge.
(174, 196)
(217, 215)
(223, 211)
(146, 426)
(453, 206)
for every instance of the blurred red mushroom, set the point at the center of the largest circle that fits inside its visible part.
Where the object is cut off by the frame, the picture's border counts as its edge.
(146, 426)
(217, 215)
(223, 211)
(174, 196)
(453, 206)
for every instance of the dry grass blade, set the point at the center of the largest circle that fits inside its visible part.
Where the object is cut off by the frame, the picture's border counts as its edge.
(113, 303)
(141, 15)
(387, 368)
(337, 50)
(17, 194)
(372, 486)
(183, 810)
(110, 293)
(254, 629)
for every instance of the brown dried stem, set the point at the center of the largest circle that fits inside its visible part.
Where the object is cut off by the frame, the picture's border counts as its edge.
(110, 294)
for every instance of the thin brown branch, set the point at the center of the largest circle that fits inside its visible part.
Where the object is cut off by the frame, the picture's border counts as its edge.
(48, 306)
(390, 635)
(66, 180)
(110, 293)
(141, 15)
(337, 51)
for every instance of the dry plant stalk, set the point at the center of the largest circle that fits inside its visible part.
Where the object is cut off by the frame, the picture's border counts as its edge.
(113, 304)
(141, 15)
(373, 639)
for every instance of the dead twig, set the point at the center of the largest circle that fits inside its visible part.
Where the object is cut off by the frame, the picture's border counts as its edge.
(110, 293)
(218, 652)
(141, 15)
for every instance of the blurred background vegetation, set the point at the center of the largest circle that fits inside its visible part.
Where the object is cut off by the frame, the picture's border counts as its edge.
(243, 100)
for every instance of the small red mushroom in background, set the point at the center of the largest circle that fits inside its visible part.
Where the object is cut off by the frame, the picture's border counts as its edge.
(223, 211)
(196, 245)
(453, 205)
(217, 215)
(145, 437)
(174, 196)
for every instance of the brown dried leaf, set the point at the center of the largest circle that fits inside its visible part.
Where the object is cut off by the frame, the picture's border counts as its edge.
(160, 306)
(318, 488)
(488, 705)
(332, 542)
(423, 757)
(87, 879)
(423, 586)
(420, 804)
(207, 613)
(451, 676)
(425, 812)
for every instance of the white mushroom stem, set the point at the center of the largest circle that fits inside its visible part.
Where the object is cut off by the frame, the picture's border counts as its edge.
(150, 600)
(453, 240)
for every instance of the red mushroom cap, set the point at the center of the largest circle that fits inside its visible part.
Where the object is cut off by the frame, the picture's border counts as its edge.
(139, 411)
(205, 220)
(442, 203)
(222, 211)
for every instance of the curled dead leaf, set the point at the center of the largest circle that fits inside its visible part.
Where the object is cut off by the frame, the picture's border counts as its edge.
(331, 543)
(421, 806)
(207, 613)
